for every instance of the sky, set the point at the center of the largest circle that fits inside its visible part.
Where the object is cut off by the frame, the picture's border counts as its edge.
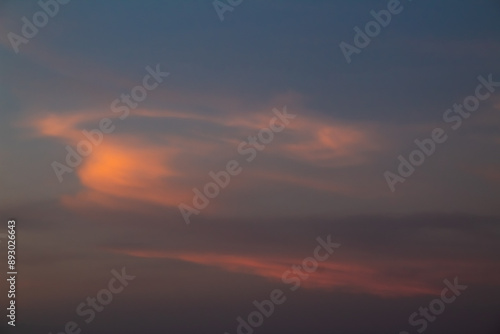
(208, 149)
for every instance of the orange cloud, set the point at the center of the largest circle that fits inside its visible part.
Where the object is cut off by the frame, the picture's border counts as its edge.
(329, 143)
(62, 126)
(131, 167)
(127, 169)
(352, 277)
